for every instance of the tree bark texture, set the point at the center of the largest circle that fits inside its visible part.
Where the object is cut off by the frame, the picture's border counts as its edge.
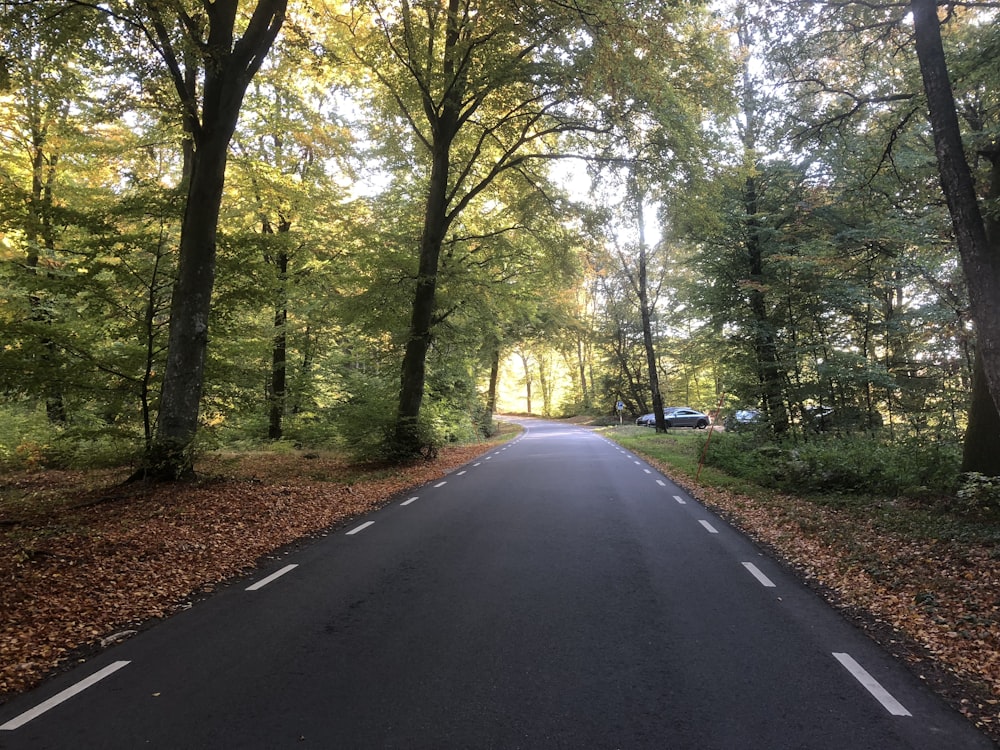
(981, 448)
(414, 370)
(527, 379)
(183, 380)
(770, 373)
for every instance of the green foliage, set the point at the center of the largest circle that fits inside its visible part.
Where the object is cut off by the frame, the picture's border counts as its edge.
(29, 441)
(856, 464)
(365, 421)
(25, 436)
(978, 494)
(858, 286)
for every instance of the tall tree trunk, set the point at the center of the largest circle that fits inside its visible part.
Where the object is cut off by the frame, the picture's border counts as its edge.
(491, 394)
(42, 234)
(981, 449)
(228, 66)
(979, 255)
(527, 378)
(545, 384)
(642, 289)
(769, 370)
(276, 392)
(183, 380)
(411, 386)
(582, 364)
(150, 330)
(444, 121)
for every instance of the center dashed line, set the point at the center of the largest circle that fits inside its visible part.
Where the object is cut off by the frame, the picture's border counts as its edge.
(711, 529)
(362, 527)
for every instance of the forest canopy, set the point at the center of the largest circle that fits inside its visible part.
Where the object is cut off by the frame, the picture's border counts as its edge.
(373, 224)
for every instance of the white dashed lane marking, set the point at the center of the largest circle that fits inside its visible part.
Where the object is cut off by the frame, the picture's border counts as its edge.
(362, 527)
(711, 529)
(872, 685)
(273, 577)
(65, 695)
(756, 573)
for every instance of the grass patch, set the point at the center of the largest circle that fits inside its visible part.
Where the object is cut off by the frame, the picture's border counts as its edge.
(918, 516)
(678, 449)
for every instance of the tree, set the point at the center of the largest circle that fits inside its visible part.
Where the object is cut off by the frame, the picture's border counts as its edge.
(39, 127)
(638, 277)
(978, 248)
(210, 68)
(481, 99)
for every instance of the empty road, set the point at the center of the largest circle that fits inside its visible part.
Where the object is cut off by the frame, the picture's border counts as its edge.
(558, 592)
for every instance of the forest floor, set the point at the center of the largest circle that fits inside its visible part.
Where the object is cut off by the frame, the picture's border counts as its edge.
(86, 561)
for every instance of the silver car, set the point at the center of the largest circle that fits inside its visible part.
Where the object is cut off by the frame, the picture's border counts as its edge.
(676, 416)
(685, 417)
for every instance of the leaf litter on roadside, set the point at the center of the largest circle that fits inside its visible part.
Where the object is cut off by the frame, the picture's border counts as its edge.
(84, 568)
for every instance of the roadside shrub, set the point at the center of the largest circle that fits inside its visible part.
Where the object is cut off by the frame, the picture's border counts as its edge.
(482, 419)
(856, 464)
(978, 494)
(29, 441)
(88, 450)
(25, 436)
(743, 455)
(365, 424)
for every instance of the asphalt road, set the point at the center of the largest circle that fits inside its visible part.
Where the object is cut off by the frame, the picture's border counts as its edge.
(556, 593)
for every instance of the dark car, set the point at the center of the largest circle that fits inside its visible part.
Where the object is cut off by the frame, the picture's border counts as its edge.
(849, 419)
(742, 419)
(676, 416)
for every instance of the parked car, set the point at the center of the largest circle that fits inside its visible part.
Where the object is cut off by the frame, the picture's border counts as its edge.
(849, 419)
(676, 416)
(649, 420)
(685, 417)
(742, 419)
